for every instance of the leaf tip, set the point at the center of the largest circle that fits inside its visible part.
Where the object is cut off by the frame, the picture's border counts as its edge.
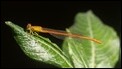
(9, 23)
(90, 12)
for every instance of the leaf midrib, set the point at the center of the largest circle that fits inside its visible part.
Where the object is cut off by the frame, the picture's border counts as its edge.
(92, 44)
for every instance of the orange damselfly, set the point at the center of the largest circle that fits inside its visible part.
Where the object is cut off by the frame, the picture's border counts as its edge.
(57, 32)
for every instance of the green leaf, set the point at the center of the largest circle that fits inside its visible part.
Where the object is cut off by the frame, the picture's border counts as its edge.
(39, 48)
(77, 53)
(88, 54)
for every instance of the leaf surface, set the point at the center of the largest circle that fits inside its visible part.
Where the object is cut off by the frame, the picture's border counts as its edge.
(88, 54)
(39, 48)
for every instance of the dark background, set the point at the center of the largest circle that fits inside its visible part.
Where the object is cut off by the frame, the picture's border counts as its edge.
(51, 14)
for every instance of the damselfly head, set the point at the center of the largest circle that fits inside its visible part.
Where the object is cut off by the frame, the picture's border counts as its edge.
(28, 27)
